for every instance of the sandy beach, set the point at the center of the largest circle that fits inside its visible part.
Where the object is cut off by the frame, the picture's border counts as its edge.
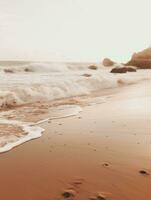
(75, 93)
(100, 150)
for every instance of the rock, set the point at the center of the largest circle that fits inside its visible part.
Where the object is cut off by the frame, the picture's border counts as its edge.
(28, 69)
(131, 69)
(140, 63)
(107, 62)
(68, 193)
(87, 75)
(143, 172)
(123, 69)
(145, 54)
(141, 59)
(93, 67)
(119, 70)
(8, 71)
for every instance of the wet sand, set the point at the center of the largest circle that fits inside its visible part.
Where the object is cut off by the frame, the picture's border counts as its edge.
(101, 150)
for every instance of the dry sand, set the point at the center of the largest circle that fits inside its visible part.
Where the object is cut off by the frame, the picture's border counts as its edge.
(101, 150)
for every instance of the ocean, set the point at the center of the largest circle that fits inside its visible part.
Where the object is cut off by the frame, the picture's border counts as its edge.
(27, 90)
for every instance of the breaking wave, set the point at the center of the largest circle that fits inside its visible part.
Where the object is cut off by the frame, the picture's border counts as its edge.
(22, 83)
(27, 83)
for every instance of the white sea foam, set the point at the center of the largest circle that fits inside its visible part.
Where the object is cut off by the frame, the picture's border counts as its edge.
(32, 132)
(30, 82)
(50, 81)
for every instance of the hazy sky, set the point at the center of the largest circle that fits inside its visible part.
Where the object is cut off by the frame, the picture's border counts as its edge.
(74, 30)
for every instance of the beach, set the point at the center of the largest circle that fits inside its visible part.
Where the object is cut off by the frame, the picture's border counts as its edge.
(100, 150)
(75, 93)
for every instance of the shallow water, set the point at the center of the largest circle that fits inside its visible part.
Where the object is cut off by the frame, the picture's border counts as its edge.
(16, 132)
(26, 84)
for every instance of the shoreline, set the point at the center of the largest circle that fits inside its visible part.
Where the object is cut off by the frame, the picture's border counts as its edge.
(116, 133)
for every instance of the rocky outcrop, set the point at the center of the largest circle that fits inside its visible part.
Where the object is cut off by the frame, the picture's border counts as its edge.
(123, 69)
(141, 59)
(145, 54)
(107, 62)
(140, 63)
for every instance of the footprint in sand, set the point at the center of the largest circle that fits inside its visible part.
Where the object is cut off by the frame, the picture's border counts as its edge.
(143, 172)
(68, 194)
(99, 196)
(72, 191)
(105, 164)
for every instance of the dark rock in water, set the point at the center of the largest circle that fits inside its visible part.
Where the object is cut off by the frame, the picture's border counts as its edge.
(123, 69)
(119, 70)
(93, 67)
(68, 193)
(107, 62)
(143, 172)
(87, 75)
(28, 69)
(8, 71)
